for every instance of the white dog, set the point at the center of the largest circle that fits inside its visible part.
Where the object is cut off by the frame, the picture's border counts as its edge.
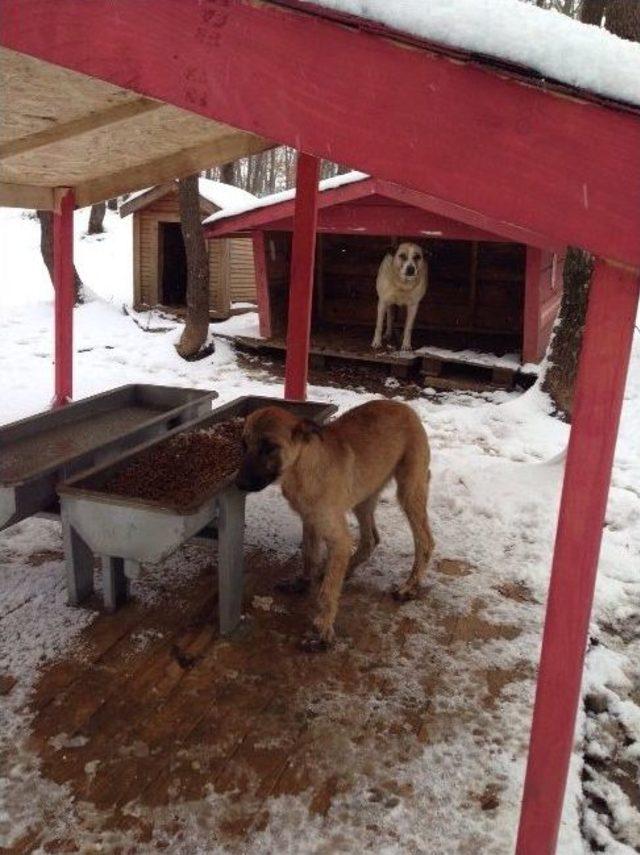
(402, 281)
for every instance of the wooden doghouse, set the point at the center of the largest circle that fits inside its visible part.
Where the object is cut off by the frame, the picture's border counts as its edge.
(485, 293)
(159, 260)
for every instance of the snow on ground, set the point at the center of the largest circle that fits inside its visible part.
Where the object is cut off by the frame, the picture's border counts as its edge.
(496, 475)
(546, 41)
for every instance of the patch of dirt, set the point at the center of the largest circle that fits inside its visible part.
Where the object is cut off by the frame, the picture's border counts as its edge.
(357, 378)
(183, 470)
(7, 682)
(451, 567)
(472, 627)
(498, 678)
(42, 556)
(516, 591)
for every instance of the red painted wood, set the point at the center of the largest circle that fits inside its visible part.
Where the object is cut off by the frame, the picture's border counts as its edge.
(262, 283)
(301, 287)
(531, 330)
(336, 211)
(599, 393)
(63, 283)
(264, 216)
(380, 219)
(582, 187)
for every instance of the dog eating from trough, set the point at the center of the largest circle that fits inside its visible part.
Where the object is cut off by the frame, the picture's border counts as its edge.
(402, 281)
(325, 472)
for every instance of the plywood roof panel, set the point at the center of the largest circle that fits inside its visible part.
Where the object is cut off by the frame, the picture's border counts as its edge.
(63, 129)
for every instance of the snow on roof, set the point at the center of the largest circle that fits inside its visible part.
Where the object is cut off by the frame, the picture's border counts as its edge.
(223, 195)
(216, 192)
(546, 41)
(283, 196)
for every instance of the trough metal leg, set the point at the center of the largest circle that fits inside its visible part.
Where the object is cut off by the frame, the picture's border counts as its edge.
(78, 563)
(230, 558)
(115, 585)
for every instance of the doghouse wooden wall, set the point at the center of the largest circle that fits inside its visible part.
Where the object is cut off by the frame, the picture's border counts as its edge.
(475, 296)
(231, 270)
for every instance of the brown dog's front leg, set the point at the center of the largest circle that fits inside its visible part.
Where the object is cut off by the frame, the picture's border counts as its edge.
(311, 558)
(339, 551)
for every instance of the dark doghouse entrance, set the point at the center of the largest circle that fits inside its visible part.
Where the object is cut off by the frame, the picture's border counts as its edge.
(173, 265)
(475, 298)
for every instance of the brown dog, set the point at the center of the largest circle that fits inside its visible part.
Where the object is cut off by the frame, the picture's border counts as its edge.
(327, 471)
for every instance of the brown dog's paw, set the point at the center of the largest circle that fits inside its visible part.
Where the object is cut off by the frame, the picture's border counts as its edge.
(293, 585)
(404, 593)
(314, 643)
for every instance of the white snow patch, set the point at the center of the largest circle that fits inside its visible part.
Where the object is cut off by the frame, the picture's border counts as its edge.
(554, 45)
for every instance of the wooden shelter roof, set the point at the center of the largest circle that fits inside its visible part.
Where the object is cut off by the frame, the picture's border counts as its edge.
(381, 216)
(61, 128)
(328, 85)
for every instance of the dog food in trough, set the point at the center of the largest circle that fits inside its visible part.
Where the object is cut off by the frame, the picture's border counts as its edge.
(183, 469)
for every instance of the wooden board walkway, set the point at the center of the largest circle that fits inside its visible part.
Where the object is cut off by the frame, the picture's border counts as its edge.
(132, 729)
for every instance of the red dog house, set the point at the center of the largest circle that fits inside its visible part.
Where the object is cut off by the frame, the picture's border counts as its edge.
(486, 292)
(497, 146)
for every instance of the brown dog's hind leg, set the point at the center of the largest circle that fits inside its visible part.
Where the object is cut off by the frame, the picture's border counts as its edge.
(369, 537)
(338, 542)
(412, 495)
(311, 561)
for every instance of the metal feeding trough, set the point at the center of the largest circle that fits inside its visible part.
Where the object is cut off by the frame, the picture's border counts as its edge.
(39, 452)
(126, 531)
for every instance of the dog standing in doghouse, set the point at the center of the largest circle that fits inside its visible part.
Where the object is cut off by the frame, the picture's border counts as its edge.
(326, 471)
(402, 281)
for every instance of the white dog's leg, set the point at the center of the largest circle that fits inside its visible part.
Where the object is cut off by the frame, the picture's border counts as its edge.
(377, 338)
(389, 331)
(408, 327)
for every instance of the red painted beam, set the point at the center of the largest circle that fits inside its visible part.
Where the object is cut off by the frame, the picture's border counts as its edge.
(64, 298)
(335, 95)
(380, 220)
(604, 360)
(301, 283)
(262, 283)
(264, 216)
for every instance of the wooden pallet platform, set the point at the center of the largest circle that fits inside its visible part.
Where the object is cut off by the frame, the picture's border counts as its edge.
(400, 365)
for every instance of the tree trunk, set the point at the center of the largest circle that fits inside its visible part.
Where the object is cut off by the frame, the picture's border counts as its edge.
(623, 19)
(592, 12)
(560, 378)
(96, 219)
(46, 248)
(228, 173)
(194, 335)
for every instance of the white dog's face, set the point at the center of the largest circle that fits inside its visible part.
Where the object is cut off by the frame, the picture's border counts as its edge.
(408, 261)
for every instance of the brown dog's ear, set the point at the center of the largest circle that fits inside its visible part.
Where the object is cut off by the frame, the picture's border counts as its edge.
(305, 429)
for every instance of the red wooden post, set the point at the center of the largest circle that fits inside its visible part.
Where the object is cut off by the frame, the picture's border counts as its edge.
(531, 324)
(599, 393)
(262, 284)
(301, 285)
(63, 284)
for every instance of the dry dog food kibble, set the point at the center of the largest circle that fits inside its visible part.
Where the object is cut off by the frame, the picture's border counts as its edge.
(183, 469)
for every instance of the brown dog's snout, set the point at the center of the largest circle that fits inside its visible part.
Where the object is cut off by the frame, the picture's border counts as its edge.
(253, 475)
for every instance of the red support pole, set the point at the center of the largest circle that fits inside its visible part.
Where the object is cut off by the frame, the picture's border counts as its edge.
(301, 285)
(604, 360)
(262, 283)
(63, 284)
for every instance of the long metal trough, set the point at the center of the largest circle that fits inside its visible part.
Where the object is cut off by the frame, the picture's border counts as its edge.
(39, 452)
(127, 531)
